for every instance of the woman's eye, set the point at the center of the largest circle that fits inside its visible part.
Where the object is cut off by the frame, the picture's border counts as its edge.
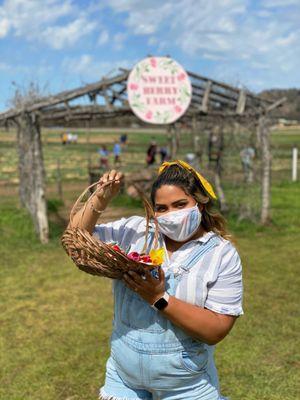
(181, 205)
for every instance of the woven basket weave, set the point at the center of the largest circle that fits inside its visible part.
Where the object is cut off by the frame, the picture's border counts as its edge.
(96, 257)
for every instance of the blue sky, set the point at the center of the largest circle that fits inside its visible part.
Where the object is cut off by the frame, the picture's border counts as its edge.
(62, 44)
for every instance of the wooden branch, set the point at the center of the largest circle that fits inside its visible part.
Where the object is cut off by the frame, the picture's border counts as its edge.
(277, 103)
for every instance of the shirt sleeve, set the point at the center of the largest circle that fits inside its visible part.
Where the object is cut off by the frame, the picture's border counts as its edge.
(225, 293)
(110, 232)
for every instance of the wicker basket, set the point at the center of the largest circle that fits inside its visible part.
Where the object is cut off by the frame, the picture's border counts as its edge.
(96, 257)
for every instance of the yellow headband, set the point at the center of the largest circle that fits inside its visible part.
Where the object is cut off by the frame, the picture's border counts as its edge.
(206, 185)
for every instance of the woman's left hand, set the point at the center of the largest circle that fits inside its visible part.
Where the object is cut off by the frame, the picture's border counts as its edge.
(148, 287)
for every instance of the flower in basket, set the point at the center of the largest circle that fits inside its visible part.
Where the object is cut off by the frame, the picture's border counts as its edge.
(155, 257)
(134, 256)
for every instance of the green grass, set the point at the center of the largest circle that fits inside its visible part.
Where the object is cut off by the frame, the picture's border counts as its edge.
(56, 320)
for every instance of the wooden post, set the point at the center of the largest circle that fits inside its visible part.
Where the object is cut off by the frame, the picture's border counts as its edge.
(173, 141)
(58, 180)
(88, 154)
(205, 99)
(263, 133)
(31, 173)
(196, 140)
(241, 104)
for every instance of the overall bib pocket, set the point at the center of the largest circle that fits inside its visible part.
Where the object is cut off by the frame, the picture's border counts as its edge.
(135, 313)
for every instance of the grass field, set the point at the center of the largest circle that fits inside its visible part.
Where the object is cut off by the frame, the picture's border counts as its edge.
(55, 321)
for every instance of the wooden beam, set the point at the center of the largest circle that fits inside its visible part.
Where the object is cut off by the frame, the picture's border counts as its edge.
(64, 96)
(241, 103)
(205, 100)
(276, 104)
(225, 86)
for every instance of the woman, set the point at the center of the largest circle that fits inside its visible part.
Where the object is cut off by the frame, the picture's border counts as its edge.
(165, 327)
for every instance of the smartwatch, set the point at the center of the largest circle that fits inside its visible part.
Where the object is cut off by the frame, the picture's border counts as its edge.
(161, 303)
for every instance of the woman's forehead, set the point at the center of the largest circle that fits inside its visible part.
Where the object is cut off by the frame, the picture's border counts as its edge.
(170, 193)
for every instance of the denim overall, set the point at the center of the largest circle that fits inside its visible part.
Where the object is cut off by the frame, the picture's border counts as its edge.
(151, 354)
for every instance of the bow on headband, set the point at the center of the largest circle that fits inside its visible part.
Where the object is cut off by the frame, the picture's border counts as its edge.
(206, 185)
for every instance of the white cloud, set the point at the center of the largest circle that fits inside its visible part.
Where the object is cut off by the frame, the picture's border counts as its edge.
(4, 66)
(59, 37)
(255, 37)
(103, 38)
(87, 67)
(45, 21)
(4, 27)
(119, 39)
(27, 16)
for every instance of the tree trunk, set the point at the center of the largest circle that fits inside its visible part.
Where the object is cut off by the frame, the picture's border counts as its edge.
(31, 173)
(263, 133)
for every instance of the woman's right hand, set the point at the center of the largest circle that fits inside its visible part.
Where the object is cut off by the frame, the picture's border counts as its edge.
(108, 192)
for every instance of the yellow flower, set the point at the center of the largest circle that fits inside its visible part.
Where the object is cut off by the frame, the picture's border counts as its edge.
(157, 256)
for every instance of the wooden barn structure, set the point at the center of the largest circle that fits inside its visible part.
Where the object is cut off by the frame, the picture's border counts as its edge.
(211, 101)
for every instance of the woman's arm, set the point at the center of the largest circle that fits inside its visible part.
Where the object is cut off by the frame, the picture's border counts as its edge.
(200, 323)
(87, 217)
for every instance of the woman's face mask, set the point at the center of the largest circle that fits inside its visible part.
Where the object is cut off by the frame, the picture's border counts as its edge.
(180, 225)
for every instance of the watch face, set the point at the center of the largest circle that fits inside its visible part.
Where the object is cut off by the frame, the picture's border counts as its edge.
(161, 304)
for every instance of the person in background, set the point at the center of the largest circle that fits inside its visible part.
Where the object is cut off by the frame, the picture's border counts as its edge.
(164, 156)
(117, 153)
(104, 153)
(151, 153)
(64, 138)
(123, 140)
(247, 155)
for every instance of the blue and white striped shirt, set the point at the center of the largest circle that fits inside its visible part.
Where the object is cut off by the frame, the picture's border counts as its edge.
(214, 282)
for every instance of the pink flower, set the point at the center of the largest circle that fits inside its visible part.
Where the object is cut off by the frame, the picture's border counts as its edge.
(149, 115)
(134, 256)
(181, 76)
(153, 62)
(177, 109)
(133, 86)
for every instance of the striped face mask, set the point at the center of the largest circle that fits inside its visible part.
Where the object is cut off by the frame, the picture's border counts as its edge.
(180, 225)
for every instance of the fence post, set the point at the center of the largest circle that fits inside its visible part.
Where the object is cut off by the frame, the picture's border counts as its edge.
(294, 164)
(58, 180)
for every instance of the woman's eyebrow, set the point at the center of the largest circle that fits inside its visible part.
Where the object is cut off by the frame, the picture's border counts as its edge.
(174, 202)
(179, 201)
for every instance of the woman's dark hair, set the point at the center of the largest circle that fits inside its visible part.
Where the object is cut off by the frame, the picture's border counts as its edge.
(176, 175)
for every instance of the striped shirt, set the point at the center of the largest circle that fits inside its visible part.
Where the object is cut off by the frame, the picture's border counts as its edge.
(214, 282)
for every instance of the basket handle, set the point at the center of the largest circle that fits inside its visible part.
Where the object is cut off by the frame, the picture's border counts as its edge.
(147, 205)
(73, 211)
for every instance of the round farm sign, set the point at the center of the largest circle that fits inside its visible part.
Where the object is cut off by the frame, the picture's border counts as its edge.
(159, 90)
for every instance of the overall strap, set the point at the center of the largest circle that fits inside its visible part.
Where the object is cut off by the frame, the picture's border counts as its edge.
(195, 256)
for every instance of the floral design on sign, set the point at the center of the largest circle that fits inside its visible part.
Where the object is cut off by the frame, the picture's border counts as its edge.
(159, 90)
